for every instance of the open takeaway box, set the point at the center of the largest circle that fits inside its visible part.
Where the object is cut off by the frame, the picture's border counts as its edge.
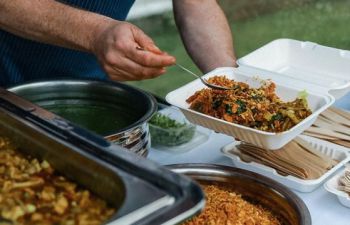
(294, 66)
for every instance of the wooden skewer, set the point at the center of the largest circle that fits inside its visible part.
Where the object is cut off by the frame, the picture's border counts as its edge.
(284, 170)
(293, 159)
(332, 126)
(344, 181)
(320, 136)
(266, 154)
(336, 117)
(324, 123)
(324, 158)
(340, 112)
(286, 162)
(281, 170)
(342, 143)
(328, 132)
(315, 165)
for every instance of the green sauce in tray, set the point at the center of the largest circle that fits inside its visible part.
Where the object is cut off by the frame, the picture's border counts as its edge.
(101, 119)
(102, 108)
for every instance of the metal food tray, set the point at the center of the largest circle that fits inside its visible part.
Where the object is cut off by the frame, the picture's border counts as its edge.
(142, 191)
(98, 106)
(254, 188)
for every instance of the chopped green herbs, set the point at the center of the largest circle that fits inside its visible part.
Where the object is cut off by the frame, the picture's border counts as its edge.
(169, 132)
(278, 116)
(242, 106)
(228, 109)
(216, 103)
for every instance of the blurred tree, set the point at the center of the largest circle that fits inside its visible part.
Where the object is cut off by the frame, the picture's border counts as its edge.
(239, 10)
(254, 23)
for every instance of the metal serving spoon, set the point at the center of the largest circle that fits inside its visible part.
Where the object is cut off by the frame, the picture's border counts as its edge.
(204, 81)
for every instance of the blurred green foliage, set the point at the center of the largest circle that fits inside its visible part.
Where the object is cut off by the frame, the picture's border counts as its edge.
(254, 23)
(240, 9)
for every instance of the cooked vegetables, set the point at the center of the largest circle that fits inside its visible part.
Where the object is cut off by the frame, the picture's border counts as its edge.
(258, 108)
(169, 132)
(31, 192)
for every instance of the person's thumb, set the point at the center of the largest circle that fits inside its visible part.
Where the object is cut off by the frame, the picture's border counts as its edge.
(145, 42)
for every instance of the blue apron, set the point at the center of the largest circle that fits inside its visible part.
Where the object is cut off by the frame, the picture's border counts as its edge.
(22, 60)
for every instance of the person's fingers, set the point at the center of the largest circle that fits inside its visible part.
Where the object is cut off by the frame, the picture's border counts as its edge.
(131, 69)
(145, 41)
(122, 75)
(122, 61)
(150, 59)
(140, 70)
(117, 74)
(128, 70)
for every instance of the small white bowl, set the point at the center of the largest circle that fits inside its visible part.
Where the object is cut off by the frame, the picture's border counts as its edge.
(332, 186)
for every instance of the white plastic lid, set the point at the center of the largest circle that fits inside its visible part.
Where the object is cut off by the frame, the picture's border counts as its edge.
(303, 64)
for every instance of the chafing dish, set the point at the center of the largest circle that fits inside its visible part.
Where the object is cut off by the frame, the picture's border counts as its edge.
(114, 110)
(143, 192)
(255, 188)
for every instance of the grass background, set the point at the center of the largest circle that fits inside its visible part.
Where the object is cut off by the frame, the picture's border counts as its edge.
(253, 23)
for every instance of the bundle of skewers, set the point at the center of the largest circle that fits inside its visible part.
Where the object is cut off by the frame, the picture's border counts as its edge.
(298, 158)
(332, 125)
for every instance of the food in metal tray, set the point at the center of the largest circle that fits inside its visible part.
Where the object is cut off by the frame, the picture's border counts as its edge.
(258, 108)
(224, 206)
(31, 192)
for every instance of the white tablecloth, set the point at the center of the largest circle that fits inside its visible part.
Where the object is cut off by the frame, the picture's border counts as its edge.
(325, 209)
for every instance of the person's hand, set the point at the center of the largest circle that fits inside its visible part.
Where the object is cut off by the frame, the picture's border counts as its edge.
(116, 49)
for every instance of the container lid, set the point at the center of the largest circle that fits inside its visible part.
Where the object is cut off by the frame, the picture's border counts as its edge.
(154, 195)
(302, 64)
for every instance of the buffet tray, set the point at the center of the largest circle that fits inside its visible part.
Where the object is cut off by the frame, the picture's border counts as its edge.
(254, 188)
(142, 191)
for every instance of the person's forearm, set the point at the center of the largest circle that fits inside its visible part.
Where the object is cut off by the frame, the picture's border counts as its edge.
(51, 22)
(205, 33)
